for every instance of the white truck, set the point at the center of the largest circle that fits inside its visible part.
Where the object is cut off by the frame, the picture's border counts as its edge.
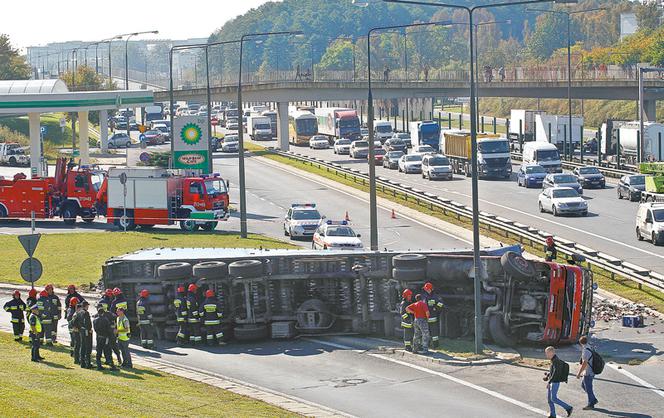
(259, 128)
(653, 135)
(382, 130)
(13, 154)
(522, 122)
(554, 129)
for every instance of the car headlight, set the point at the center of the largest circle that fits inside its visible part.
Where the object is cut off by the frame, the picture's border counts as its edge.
(298, 228)
(584, 203)
(561, 205)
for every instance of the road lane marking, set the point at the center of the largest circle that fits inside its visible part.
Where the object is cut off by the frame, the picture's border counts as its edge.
(464, 383)
(334, 345)
(637, 379)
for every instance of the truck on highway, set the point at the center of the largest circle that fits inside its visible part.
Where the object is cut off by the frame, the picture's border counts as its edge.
(522, 122)
(70, 193)
(651, 145)
(555, 130)
(609, 136)
(272, 114)
(154, 112)
(544, 154)
(493, 153)
(259, 128)
(338, 122)
(149, 196)
(13, 154)
(383, 130)
(426, 132)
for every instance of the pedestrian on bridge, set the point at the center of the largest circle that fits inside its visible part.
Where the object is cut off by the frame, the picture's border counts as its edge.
(73, 308)
(558, 373)
(420, 311)
(16, 307)
(406, 319)
(386, 74)
(181, 313)
(56, 311)
(435, 305)
(145, 319)
(550, 251)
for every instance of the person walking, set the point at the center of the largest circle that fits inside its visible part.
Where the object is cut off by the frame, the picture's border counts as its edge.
(558, 373)
(72, 293)
(406, 319)
(420, 311)
(193, 318)
(435, 306)
(16, 307)
(550, 251)
(386, 74)
(104, 330)
(35, 333)
(181, 313)
(426, 72)
(298, 73)
(123, 330)
(46, 317)
(56, 312)
(144, 319)
(211, 314)
(74, 335)
(83, 322)
(586, 371)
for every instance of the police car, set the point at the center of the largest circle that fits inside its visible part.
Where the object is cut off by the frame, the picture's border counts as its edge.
(301, 220)
(338, 235)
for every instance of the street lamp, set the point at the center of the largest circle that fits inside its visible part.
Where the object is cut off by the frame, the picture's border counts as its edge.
(129, 36)
(243, 192)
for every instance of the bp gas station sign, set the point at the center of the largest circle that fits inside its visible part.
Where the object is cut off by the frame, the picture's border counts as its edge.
(191, 141)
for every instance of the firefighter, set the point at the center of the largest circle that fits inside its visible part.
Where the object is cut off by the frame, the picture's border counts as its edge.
(83, 322)
(119, 300)
(16, 307)
(30, 301)
(46, 317)
(435, 306)
(72, 293)
(407, 319)
(123, 330)
(74, 335)
(56, 311)
(193, 318)
(144, 319)
(35, 333)
(211, 313)
(106, 300)
(180, 303)
(550, 251)
(104, 329)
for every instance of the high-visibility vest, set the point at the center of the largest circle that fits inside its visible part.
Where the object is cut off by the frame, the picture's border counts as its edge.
(35, 328)
(123, 328)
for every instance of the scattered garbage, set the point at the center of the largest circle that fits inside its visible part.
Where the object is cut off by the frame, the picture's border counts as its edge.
(609, 310)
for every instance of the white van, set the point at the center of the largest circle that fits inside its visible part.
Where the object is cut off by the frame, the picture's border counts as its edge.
(382, 130)
(650, 222)
(544, 154)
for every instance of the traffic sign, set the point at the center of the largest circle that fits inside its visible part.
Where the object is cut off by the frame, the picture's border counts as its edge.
(214, 122)
(43, 130)
(123, 178)
(29, 242)
(31, 269)
(142, 128)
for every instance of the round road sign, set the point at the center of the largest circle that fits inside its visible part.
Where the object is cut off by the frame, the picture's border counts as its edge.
(31, 269)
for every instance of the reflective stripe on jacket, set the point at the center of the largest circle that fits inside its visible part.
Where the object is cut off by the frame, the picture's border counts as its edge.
(123, 328)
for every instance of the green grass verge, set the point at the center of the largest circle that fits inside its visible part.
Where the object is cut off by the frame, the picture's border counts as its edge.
(461, 348)
(57, 387)
(618, 285)
(77, 258)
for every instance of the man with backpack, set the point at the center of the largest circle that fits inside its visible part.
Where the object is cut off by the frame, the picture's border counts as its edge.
(591, 364)
(558, 372)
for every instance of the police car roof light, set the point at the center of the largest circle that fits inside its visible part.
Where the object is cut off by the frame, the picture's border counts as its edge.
(303, 205)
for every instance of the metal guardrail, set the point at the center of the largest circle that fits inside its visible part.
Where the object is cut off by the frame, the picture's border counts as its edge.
(533, 237)
(605, 167)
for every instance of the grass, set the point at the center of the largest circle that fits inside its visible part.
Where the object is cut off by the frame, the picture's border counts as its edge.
(77, 258)
(56, 387)
(460, 348)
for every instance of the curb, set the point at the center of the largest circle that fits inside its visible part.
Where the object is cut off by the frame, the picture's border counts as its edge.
(499, 358)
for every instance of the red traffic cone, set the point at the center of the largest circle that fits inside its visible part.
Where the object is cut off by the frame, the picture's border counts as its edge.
(347, 217)
(394, 214)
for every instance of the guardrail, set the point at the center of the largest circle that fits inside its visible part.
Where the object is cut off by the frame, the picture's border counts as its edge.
(605, 167)
(609, 266)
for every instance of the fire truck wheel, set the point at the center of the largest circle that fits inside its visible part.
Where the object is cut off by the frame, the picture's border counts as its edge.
(498, 333)
(211, 270)
(188, 225)
(176, 270)
(517, 266)
(69, 214)
(251, 332)
(246, 269)
(405, 274)
(209, 226)
(410, 261)
(3, 212)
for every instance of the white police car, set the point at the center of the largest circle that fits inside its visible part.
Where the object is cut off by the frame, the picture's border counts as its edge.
(301, 220)
(338, 235)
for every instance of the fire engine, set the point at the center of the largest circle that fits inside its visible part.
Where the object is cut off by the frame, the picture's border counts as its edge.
(70, 193)
(149, 196)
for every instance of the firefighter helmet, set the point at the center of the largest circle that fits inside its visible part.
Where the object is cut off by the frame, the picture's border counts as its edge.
(17, 294)
(71, 288)
(43, 294)
(117, 291)
(209, 293)
(428, 286)
(144, 293)
(180, 289)
(32, 293)
(73, 301)
(549, 240)
(193, 288)
(407, 294)
(108, 292)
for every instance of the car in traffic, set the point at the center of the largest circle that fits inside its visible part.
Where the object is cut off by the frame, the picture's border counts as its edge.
(410, 163)
(631, 186)
(301, 220)
(364, 131)
(118, 140)
(395, 144)
(590, 177)
(436, 167)
(152, 138)
(423, 149)
(164, 129)
(230, 143)
(391, 159)
(319, 142)
(342, 146)
(530, 175)
(404, 136)
(379, 154)
(562, 180)
(650, 222)
(331, 235)
(562, 201)
(232, 125)
(359, 149)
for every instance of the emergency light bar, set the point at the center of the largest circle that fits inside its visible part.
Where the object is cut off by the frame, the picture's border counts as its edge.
(303, 205)
(329, 222)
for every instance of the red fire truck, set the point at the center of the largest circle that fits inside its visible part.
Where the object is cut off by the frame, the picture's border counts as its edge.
(149, 196)
(71, 193)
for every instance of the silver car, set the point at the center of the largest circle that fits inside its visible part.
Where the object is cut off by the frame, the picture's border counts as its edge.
(436, 166)
(562, 201)
(410, 163)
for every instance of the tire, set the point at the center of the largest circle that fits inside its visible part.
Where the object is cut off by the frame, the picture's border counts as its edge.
(408, 260)
(12, 161)
(211, 270)
(69, 214)
(209, 226)
(251, 332)
(516, 266)
(128, 145)
(110, 145)
(554, 211)
(176, 270)
(619, 194)
(188, 225)
(3, 212)
(541, 208)
(246, 269)
(404, 274)
(498, 333)
(638, 234)
(654, 239)
(156, 289)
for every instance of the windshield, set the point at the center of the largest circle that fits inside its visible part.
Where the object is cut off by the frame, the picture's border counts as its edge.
(589, 170)
(493, 147)
(306, 126)
(437, 161)
(361, 144)
(637, 180)
(413, 158)
(152, 133)
(394, 154)
(319, 138)
(343, 142)
(565, 178)
(565, 193)
(535, 169)
(215, 186)
(424, 148)
(379, 151)
(548, 155)
(340, 231)
(383, 129)
(231, 138)
(396, 141)
(403, 136)
(306, 215)
(262, 126)
(658, 215)
(349, 123)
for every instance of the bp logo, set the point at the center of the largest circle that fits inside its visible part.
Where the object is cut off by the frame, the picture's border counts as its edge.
(191, 134)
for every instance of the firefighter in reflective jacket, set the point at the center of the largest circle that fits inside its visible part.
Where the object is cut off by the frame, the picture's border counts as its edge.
(407, 319)
(435, 306)
(193, 317)
(46, 317)
(35, 332)
(72, 293)
(56, 311)
(180, 303)
(211, 314)
(16, 307)
(550, 251)
(118, 301)
(106, 301)
(30, 301)
(144, 319)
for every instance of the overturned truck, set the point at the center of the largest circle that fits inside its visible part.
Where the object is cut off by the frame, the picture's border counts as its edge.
(283, 293)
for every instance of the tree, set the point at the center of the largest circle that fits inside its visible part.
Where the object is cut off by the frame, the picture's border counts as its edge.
(86, 80)
(648, 15)
(338, 56)
(550, 34)
(12, 65)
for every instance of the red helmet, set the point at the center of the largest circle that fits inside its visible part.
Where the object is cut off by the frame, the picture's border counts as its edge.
(71, 288)
(73, 301)
(407, 294)
(549, 240)
(180, 289)
(108, 292)
(209, 293)
(49, 287)
(428, 286)
(17, 293)
(145, 293)
(193, 288)
(32, 293)
(43, 294)
(117, 291)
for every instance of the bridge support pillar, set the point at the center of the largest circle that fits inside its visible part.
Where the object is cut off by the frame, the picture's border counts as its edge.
(35, 145)
(83, 137)
(103, 130)
(282, 125)
(650, 110)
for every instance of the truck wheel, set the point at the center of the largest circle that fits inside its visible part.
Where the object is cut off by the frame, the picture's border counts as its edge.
(3, 212)
(211, 270)
(176, 270)
(246, 269)
(654, 239)
(405, 274)
(409, 261)
(251, 332)
(12, 161)
(188, 225)
(517, 266)
(499, 335)
(69, 214)
(209, 226)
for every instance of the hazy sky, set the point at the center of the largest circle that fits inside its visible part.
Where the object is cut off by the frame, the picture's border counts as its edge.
(38, 22)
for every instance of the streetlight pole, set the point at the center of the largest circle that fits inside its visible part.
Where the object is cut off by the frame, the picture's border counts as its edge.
(129, 36)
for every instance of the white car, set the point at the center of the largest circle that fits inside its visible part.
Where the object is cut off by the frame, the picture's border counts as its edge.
(436, 166)
(332, 235)
(301, 220)
(319, 142)
(342, 146)
(230, 143)
(423, 150)
(404, 136)
(562, 200)
(359, 149)
(650, 222)
(410, 163)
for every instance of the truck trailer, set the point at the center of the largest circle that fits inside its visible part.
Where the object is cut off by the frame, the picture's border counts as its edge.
(651, 145)
(555, 130)
(338, 122)
(425, 132)
(493, 153)
(522, 123)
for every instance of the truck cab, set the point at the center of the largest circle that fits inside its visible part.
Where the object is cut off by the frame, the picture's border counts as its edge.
(544, 154)
(426, 132)
(493, 157)
(206, 200)
(79, 193)
(382, 130)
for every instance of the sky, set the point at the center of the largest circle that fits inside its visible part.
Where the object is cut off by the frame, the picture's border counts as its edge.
(84, 20)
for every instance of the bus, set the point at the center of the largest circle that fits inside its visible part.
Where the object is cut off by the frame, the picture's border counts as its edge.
(302, 126)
